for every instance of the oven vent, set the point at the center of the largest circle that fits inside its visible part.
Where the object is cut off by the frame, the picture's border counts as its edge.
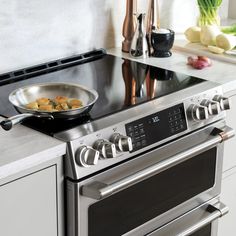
(59, 64)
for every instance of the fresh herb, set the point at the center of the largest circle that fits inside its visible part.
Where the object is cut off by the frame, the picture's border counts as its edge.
(209, 12)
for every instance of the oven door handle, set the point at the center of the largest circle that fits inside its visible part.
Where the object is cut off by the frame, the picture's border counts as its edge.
(214, 213)
(99, 190)
(181, 225)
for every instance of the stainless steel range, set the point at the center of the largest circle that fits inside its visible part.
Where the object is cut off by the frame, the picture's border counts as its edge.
(147, 159)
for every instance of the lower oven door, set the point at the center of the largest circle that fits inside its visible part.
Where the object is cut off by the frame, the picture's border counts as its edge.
(201, 221)
(151, 189)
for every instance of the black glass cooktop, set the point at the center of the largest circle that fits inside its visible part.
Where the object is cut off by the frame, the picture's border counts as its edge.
(120, 83)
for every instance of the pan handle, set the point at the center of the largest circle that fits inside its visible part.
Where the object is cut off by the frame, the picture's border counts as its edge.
(8, 123)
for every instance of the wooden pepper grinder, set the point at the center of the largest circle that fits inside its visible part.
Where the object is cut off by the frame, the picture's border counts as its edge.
(129, 24)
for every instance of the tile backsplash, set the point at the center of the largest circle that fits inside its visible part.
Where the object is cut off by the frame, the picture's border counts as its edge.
(34, 31)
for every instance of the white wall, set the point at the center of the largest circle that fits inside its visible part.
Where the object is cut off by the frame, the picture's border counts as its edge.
(224, 8)
(232, 9)
(33, 31)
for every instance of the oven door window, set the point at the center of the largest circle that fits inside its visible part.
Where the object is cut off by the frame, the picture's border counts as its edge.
(132, 207)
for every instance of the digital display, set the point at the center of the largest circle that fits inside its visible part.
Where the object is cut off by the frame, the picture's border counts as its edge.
(156, 127)
(155, 119)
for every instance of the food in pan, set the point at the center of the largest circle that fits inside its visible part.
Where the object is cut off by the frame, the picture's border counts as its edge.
(48, 107)
(75, 102)
(60, 99)
(43, 101)
(59, 103)
(33, 105)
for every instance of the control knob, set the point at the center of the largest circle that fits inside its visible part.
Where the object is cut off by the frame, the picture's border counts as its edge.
(198, 112)
(106, 148)
(223, 101)
(212, 106)
(122, 143)
(86, 156)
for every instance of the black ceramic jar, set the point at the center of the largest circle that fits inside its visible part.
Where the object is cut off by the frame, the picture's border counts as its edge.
(162, 42)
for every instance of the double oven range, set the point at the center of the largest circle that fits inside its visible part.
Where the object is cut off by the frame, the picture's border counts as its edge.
(147, 159)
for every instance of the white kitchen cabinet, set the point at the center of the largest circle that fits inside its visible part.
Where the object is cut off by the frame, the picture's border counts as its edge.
(227, 226)
(28, 205)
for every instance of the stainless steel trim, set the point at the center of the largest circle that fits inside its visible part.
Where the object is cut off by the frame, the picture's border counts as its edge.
(208, 215)
(98, 190)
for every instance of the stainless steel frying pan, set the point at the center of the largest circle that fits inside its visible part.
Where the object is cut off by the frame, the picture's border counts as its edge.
(22, 96)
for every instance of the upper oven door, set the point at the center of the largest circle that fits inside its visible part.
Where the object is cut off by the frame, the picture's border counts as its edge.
(151, 189)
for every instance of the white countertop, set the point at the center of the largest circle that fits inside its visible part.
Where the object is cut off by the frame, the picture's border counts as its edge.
(221, 72)
(23, 148)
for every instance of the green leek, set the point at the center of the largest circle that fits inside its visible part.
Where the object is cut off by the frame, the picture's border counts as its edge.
(229, 29)
(209, 12)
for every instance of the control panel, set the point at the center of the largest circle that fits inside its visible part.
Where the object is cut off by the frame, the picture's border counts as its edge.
(208, 108)
(151, 129)
(104, 149)
(156, 127)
